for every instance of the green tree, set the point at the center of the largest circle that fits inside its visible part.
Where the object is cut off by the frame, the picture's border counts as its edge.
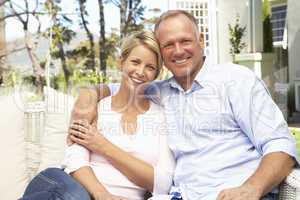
(91, 61)
(102, 40)
(61, 35)
(267, 27)
(26, 15)
(131, 15)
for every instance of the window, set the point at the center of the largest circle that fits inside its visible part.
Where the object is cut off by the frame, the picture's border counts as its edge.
(200, 11)
(278, 22)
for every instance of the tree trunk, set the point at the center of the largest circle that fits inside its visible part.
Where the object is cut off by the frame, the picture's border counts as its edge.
(38, 71)
(91, 55)
(102, 40)
(62, 57)
(123, 10)
(2, 44)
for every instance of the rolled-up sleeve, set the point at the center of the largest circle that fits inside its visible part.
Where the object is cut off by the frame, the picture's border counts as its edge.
(261, 119)
(164, 170)
(76, 156)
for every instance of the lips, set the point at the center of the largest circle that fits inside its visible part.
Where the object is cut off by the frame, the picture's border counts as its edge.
(180, 61)
(136, 80)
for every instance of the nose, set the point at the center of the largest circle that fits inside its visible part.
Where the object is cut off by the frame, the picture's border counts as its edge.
(140, 70)
(178, 49)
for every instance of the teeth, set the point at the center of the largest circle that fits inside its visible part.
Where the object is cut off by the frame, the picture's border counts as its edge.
(180, 61)
(136, 80)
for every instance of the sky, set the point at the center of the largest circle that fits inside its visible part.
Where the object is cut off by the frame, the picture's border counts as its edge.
(14, 28)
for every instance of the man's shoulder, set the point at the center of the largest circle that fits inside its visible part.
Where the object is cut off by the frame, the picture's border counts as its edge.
(231, 67)
(161, 83)
(230, 71)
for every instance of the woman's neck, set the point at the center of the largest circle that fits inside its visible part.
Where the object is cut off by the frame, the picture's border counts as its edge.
(129, 101)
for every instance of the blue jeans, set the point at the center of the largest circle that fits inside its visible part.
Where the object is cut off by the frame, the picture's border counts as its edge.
(270, 196)
(54, 184)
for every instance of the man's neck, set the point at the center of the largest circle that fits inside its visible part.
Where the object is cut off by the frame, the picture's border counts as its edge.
(186, 82)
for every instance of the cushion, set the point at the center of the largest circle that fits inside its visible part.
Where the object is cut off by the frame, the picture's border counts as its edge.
(57, 117)
(12, 148)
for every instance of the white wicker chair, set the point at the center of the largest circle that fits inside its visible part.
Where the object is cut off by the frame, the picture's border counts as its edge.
(290, 188)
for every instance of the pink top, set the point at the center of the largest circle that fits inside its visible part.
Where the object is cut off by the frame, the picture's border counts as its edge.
(148, 144)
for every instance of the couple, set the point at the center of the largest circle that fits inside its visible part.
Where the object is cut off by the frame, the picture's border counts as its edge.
(228, 137)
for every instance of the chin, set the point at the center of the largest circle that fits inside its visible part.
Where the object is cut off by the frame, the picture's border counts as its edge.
(138, 89)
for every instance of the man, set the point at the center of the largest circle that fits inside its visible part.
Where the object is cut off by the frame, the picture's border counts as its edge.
(229, 138)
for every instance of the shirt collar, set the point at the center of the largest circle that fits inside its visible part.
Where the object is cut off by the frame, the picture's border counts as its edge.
(203, 71)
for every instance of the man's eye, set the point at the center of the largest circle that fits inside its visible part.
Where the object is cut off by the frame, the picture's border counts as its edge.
(186, 41)
(167, 45)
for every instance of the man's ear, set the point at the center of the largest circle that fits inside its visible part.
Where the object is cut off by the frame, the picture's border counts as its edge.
(201, 40)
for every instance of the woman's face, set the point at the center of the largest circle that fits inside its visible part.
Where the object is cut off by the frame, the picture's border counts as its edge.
(139, 68)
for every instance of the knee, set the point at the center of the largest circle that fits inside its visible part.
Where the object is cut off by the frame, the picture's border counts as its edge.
(52, 171)
(66, 186)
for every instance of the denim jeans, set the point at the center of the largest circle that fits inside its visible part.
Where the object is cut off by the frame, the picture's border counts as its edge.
(54, 184)
(270, 196)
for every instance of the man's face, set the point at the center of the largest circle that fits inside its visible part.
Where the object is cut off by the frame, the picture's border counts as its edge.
(180, 47)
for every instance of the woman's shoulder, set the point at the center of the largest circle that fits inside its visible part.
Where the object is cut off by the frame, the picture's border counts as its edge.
(105, 104)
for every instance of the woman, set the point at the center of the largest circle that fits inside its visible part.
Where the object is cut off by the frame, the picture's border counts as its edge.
(127, 154)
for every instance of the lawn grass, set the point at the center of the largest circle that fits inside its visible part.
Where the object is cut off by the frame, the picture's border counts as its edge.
(296, 134)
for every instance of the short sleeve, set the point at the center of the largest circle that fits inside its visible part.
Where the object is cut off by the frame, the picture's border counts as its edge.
(76, 156)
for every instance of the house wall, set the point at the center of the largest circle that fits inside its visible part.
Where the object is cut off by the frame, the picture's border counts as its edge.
(2, 31)
(294, 40)
(226, 14)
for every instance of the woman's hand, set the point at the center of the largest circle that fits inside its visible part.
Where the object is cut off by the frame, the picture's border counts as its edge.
(81, 132)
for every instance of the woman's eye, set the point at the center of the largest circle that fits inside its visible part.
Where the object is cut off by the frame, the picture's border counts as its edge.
(152, 68)
(135, 62)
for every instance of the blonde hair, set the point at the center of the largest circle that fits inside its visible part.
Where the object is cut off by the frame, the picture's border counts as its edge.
(145, 38)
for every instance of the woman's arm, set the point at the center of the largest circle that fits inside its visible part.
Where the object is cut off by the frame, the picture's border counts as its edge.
(136, 170)
(85, 106)
(76, 163)
(86, 177)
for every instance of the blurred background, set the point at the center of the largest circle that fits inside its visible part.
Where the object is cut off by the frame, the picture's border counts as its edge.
(67, 44)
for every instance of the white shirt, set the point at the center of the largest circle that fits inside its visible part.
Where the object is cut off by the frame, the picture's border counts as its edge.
(148, 144)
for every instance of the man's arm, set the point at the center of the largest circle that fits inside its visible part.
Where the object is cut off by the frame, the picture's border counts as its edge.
(263, 123)
(274, 167)
(85, 106)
